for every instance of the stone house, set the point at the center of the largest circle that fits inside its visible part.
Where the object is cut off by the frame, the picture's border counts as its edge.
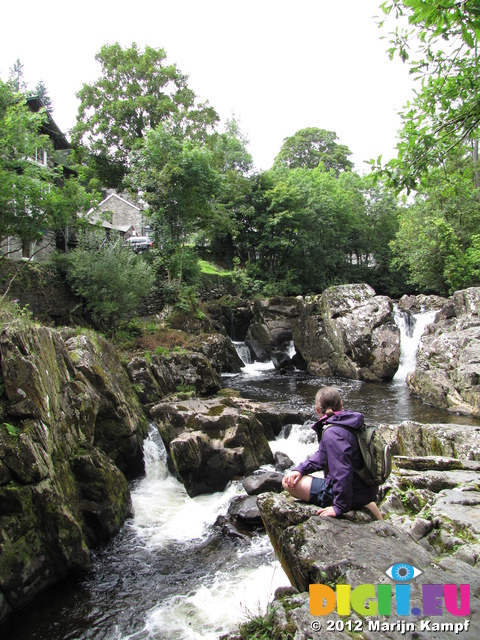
(119, 213)
(18, 248)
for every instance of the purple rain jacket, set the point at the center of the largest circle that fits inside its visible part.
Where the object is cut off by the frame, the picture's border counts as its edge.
(338, 455)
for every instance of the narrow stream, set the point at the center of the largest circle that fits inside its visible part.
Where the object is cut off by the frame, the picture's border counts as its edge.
(170, 574)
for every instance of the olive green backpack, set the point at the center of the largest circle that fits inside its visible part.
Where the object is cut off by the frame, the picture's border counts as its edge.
(376, 454)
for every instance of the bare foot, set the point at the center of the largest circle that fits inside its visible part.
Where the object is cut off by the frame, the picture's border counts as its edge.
(375, 510)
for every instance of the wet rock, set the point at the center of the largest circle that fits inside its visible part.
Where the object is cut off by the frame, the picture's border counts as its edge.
(447, 372)
(421, 303)
(245, 509)
(71, 413)
(210, 442)
(230, 528)
(282, 361)
(262, 482)
(271, 329)
(348, 331)
(219, 350)
(282, 461)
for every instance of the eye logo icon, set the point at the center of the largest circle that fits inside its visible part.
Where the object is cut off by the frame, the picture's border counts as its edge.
(402, 572)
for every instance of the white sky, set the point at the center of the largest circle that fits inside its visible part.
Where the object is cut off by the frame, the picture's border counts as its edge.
(278, 66)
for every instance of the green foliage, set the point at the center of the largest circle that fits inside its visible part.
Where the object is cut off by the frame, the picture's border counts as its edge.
(313, 230)
(137, 91)
(34, 197)
(178, 181)
(445, 111)
(233, 163)
(437, 241)
(212, 269)
(11, 429)
(108, 276)
(309, 147)
(263, 627)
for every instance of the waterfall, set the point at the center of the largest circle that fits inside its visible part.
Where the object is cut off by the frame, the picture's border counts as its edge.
(243, 351)
(226, 592)
(412, 327)
(291, 349)
(252, 368)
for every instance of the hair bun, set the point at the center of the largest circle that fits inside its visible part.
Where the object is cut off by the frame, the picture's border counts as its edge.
(329, 412)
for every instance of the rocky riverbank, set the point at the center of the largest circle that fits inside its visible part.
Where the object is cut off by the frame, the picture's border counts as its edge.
(74, 415)
(72, 427)
(431, 510)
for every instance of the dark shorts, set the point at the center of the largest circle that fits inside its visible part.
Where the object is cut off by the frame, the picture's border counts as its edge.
(321, 492)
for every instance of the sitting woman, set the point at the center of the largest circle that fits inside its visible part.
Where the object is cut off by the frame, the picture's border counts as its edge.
(338, 455)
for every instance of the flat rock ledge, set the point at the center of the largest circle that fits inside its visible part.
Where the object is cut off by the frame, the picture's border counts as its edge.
(431, 510)
(354, 551)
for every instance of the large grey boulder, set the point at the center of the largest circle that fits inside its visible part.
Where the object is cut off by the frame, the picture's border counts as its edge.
(219, 351)
(421, 303)
(447, 373)
(197, 367)
(270, 330)
(431, 510)
(210, 441)
(120, 424)
(411, 438)
(348, 331)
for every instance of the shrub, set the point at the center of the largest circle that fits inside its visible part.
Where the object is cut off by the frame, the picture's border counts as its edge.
(108, 276)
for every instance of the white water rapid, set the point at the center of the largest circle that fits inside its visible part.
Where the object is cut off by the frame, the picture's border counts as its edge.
(251, 368)
(412, 326)
(165, 514)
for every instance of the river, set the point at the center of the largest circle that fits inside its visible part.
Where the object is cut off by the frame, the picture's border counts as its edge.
(170, 574)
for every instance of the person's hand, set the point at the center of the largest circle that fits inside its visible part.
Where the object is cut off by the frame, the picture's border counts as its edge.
(291, 478)
(328, 511)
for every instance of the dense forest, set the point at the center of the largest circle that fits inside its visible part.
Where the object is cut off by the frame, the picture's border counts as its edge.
(309, 222)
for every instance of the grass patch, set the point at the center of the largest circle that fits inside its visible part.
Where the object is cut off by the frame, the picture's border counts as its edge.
(264, 628)
(212, 269)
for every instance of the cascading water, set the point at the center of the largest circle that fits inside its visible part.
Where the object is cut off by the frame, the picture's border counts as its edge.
(412, 327)
(252, 367)
(241, 582)
(243, 352)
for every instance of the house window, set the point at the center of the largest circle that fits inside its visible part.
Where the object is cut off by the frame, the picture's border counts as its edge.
(41, 157)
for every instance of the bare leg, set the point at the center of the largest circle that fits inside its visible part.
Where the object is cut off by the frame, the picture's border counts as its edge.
(375, 510)
(301, 489)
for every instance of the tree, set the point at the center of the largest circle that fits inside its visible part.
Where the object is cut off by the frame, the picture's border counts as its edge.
(41, 92)
(34, 197)
(178, 180)
(445, 113)
(436, 239)
(233, 163)
(308, 147)
(16, 77)
(304, 225)
(136, 92)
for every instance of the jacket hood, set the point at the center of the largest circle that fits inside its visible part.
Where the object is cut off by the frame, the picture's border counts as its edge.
(350, 419)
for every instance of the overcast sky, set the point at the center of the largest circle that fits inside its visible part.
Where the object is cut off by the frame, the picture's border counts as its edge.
(277, 65)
